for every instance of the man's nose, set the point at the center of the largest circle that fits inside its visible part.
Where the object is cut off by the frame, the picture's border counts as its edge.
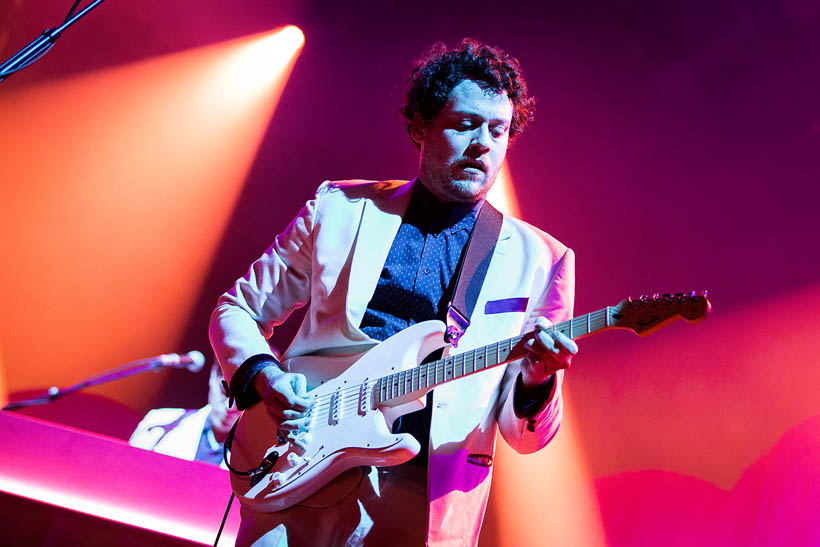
(481, 139)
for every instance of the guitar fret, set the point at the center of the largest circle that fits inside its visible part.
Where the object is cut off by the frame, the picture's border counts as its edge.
(575, 328)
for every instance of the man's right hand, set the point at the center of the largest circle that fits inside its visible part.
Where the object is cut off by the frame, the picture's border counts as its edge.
(284, 395)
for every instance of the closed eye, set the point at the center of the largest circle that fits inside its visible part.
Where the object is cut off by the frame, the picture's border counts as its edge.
(498, 130)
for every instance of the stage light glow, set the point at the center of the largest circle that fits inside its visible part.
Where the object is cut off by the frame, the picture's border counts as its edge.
(521, 514)
(502, 194)
(117, 187)
(253, 68)
(4, 393)
(546, 498)
(104, 509)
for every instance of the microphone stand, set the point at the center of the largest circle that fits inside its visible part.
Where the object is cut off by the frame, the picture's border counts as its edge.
(122, 371)
(40, 46)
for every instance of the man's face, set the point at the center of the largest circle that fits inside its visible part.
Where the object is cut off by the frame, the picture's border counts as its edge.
(463, 148)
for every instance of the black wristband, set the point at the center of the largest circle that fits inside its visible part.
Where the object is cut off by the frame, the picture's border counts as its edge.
(242, 388)
(527, 401)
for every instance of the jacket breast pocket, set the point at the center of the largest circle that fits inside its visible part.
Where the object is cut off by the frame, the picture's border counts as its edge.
(506, 305)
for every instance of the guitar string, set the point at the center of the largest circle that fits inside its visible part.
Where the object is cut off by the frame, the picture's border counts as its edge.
(448, 367)
(441, 365)
(455, 361)
(457, 367)
(351, 396)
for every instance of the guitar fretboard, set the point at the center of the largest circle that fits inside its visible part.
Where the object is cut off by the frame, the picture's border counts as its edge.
(429, 375)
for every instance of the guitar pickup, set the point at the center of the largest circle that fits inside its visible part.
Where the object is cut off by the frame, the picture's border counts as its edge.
(335, 407)
(364, 395)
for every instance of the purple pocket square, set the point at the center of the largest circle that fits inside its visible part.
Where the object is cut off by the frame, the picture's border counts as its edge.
(506, 305)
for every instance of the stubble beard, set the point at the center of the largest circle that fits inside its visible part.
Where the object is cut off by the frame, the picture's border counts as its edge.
(459, 190)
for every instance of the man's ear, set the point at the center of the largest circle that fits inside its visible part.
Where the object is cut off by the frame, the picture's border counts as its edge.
(417, 128)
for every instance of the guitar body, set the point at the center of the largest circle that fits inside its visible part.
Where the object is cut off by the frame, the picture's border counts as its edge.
(346, 430)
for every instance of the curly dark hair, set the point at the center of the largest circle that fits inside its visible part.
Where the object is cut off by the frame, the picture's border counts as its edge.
(440, 69)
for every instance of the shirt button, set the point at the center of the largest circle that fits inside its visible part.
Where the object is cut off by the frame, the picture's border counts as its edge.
(426, 270)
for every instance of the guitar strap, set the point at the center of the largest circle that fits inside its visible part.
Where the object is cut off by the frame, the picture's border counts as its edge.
(472, 270)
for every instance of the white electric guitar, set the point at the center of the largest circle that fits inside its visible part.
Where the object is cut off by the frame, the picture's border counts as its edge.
(351, 420)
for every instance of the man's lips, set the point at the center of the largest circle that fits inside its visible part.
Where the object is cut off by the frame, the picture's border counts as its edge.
(472, 164)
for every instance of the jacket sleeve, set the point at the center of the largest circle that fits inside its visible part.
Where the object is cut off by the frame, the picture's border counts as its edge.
(527, 434)
(275, 285)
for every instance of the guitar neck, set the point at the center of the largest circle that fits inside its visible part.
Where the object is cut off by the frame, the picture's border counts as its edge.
(429, 375)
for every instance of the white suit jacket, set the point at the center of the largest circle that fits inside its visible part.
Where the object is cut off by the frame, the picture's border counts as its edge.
(331, 255)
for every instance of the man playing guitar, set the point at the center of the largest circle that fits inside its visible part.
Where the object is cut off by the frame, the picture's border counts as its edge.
(376, 258)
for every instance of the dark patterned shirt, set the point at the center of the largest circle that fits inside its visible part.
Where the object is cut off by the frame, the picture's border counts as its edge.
(416, 279)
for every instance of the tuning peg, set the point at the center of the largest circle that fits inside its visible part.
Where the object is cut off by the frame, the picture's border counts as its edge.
(693, 294)
(655, 297)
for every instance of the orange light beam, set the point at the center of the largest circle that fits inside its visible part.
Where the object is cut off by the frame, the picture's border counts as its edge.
(110, 219)
(546, 498)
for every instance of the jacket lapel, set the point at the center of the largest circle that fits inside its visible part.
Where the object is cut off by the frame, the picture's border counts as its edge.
(380, 222)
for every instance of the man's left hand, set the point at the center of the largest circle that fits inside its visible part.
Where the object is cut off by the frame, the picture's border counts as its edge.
(549, 352)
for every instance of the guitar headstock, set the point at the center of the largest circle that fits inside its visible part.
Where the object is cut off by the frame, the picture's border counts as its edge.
(648, 314)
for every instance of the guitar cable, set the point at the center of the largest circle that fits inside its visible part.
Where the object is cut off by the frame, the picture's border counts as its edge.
(255, 474)
(224, 519)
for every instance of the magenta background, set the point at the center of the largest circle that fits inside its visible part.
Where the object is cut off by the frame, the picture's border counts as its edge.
(674, 148)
